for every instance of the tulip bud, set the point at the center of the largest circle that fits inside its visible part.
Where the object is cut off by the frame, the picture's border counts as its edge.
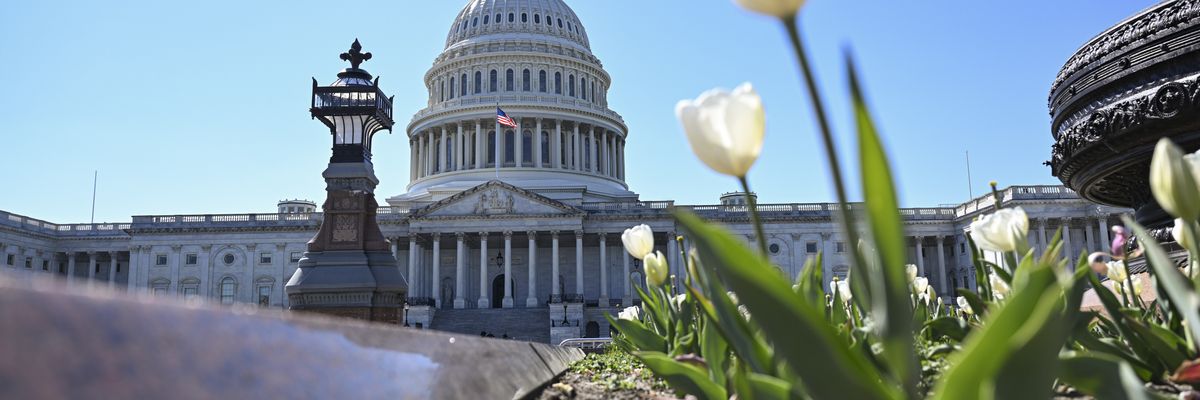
(1000, 289)
(725, 129)
(638, 241)
(920, 284)
(630, 313)
(911, 272)
(1116, 271)
(1182, 235)
(774, 8)
(1173, 182)
(843, 289)
(655, 266)
(1003, 230)
(964, 305)
(1137, 285)
(1096, 262)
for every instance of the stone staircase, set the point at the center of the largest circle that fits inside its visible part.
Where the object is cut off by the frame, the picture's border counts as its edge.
(529, 324)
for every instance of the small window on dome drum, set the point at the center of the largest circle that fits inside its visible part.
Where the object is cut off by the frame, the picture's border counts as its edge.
(549, 21)
(537, 19)
(525, 80)
(508, 80)
(542, 81)
(511, 17)
(485, 19)
(560, 23)
(524, 18)
(478, 81)
(498, 18)
(475, 22)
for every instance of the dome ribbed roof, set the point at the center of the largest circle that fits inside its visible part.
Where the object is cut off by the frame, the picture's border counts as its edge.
(546, 20)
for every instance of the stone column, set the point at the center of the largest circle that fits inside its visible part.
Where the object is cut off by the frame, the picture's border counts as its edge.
(537, 144)
(1088, 236)
(554, 284)
(672, 256)
(576, 150)
(579, 262)
(603, 270)
(245, 287)
(1105, 242)
(499, 146)
(604, 152)
(421, 164)
(531, 299)
(460, 161)
(91, 266)
(1066, 239)
(508, 280)
(418, 288)
(483, 266)
(556, 145)
(281, 260)
(435, 275)
(592, 151)
(942, 290)
(70, 268)
(412, 265)
(626, 294)
(519, 146)
(205, 270)
(135, 264)
(460, 272)
(920, 255)
(174, 260)
(112, 269)
(1042, 236)
(480, 144)
(441, 152)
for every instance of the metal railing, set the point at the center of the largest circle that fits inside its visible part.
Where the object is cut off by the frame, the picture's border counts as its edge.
(586, 343)
(49, 228)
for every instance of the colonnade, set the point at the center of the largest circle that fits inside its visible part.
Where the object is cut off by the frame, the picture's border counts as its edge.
(101, 266)
(552, 143)
(426, 272)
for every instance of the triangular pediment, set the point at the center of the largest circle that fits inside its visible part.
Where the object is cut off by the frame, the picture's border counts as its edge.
(496, 198)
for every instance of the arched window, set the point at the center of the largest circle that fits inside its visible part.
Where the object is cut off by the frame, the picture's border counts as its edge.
(508, 80)
(492, 79)
(558, 83)
(509, 146)
(549, 21)
(524, 18)
(228, 290)
(511, 17)
(542, 81)
(525, 80)
(570, 28)
(545, 138)
(491, 151)
(485, 19)
(498, 15)
(452, 87)
(478, 81)
(537, 19)
(560, 23)
(464, 25)
(475, 22)
(527, 146)
(570, 85)
(583, 88)
(463, 82)
(441, 90)
(593, 90)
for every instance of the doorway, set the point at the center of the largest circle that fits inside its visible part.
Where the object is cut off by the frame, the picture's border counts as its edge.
(498, 290)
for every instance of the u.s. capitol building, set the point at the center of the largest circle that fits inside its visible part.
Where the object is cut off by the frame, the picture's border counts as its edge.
(509, 231)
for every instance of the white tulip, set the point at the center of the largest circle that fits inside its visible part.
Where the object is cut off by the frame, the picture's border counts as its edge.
(1137, 285)
(655, 266)
(843, 289)
(1003, 230)
(999, 288)
(638, 241)
(725, 129)
(1116, 271)
(1173, 180)
(910, 270)
(774, 8)
(630, 313)
(678, 300)
(964, 305)
(1182, 236)
(920, 283)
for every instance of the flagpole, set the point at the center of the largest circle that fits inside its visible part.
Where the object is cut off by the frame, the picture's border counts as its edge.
(499, 135)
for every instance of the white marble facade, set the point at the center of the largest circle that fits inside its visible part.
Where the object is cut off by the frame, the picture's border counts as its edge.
(549, 195)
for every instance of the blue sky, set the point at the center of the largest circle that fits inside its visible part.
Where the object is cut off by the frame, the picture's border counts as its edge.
(201, 107)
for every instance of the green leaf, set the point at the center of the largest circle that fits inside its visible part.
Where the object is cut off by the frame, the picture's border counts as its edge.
(759, 386)
(1102, 376)
(795, 327)
(889, 307)
(687, 378)
(950, 327)
(1014, 353)
(638, 334)
(715, 351)
(733, 327)
(1178, 287)
(973, 299)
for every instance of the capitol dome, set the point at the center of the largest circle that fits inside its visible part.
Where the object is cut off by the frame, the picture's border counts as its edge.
(531, 58)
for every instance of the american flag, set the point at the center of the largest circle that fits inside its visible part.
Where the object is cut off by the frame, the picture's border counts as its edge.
(503, 119)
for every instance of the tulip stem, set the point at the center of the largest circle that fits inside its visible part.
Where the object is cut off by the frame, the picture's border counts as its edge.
(818, 106)
(752, 205)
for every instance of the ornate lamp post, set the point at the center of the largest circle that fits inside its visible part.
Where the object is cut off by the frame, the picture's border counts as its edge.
(348, 269)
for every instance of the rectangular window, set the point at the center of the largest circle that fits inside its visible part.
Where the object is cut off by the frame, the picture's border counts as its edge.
(190, 292)
(296, 256)
(160, 260)
(10, 260)
(190, 259)
(160, 291)
(962, 248)
(29, 262)
(264, 296)
(45, 265)
(264, 258)
(839, 247)
(810, 247)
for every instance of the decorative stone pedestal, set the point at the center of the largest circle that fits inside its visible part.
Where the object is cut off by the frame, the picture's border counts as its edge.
(420, 316)
(561, 333)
